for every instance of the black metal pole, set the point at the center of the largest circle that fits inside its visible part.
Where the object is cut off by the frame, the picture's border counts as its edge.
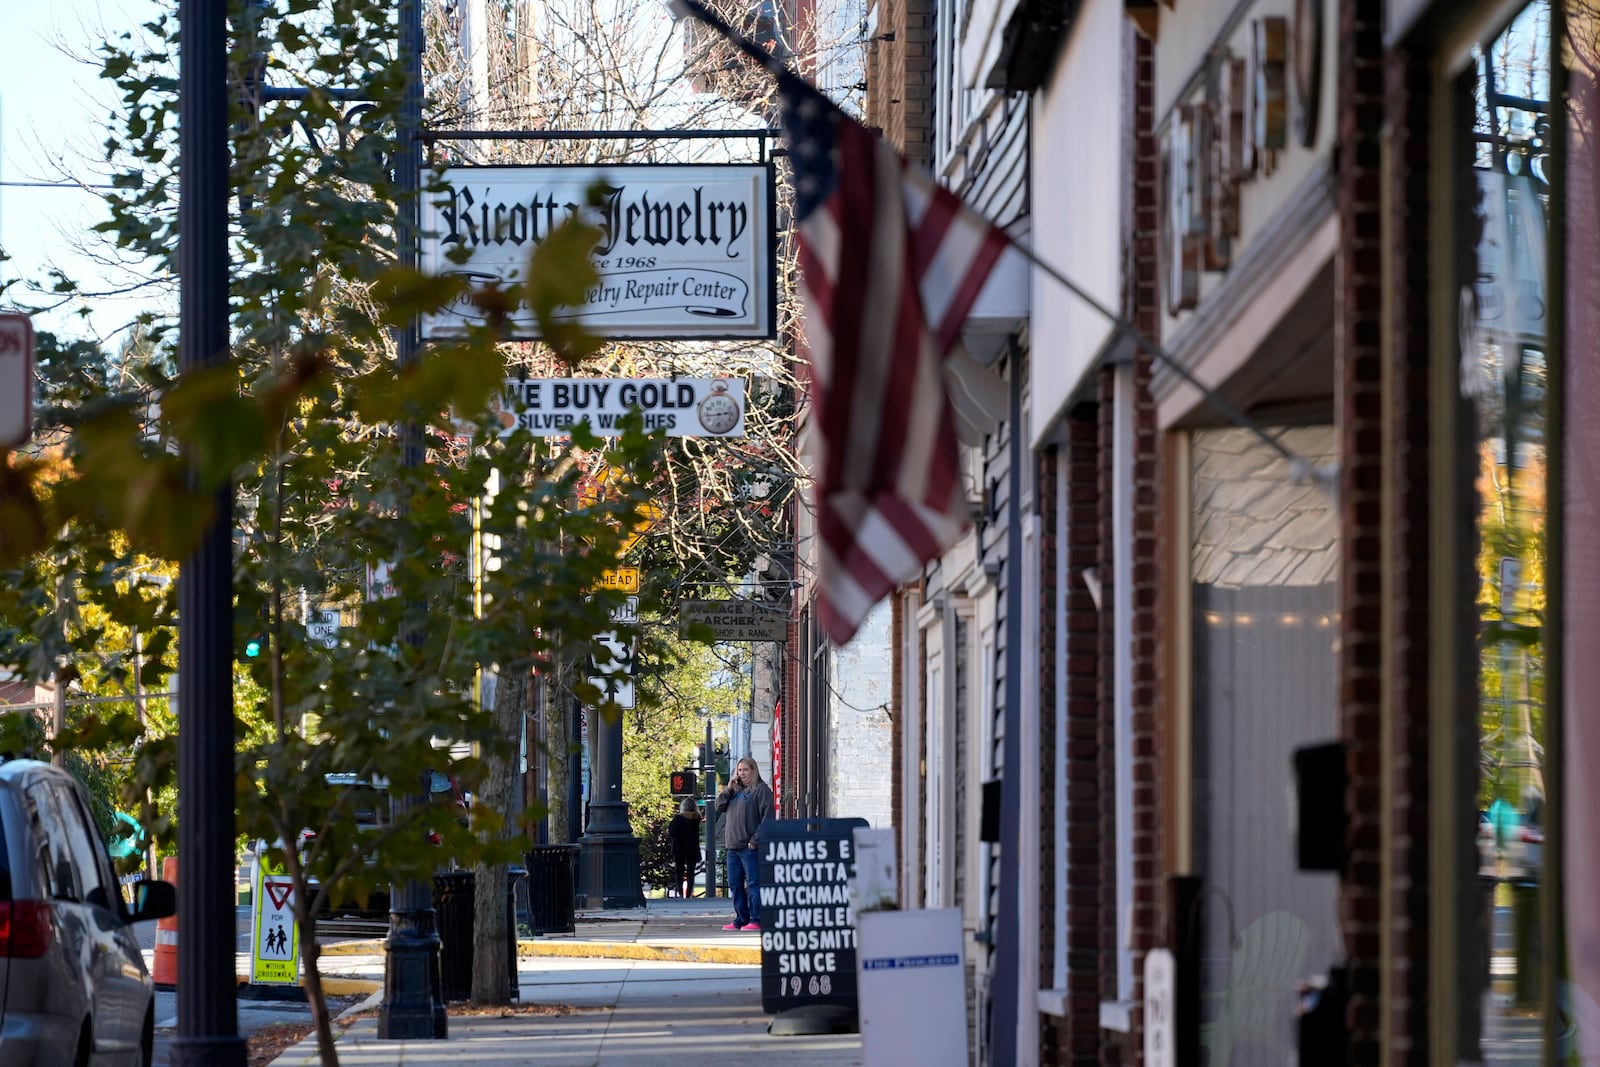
(710, 765)
(208, 1020)
(413, 1007)
(575, 771)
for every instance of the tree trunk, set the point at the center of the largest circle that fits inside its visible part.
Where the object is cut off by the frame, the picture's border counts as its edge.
(492, 925)
(557, 716)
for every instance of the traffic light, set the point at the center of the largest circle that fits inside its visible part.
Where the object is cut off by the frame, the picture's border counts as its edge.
(254, 645)
(682, 783)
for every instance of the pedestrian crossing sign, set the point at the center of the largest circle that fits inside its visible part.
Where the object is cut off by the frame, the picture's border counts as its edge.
(275, 940)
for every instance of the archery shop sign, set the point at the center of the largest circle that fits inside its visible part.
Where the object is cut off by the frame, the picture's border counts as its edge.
(735, 620)
(808, 936)
(685, 251)
(683, 407)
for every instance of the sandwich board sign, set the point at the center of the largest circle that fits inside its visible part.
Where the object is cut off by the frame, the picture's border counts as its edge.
(808, 933)
(274, 940)
(912, 987)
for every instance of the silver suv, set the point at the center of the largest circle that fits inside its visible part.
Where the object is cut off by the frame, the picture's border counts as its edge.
(72, 978)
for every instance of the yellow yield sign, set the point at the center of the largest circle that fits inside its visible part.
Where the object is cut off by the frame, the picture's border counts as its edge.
(649, 515)
(602, 484)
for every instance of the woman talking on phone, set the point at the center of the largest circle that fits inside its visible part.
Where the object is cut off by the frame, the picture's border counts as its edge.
(745, 804)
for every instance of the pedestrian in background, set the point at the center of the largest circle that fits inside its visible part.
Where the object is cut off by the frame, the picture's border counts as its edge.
(683, 833)
(746, 804)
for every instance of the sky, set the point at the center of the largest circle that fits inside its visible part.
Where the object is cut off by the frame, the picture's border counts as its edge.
(53, 111)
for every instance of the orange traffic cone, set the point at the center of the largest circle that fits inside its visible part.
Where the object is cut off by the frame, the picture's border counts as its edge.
(165, 971)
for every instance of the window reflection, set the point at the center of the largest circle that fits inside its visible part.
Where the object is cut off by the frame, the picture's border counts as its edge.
(1502, 377)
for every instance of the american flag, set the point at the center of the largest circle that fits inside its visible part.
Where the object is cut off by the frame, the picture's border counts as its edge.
(891, 264)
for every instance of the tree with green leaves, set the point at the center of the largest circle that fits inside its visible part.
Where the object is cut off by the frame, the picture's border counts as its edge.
(303, 418)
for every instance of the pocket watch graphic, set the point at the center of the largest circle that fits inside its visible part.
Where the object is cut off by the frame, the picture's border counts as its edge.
(719, 412)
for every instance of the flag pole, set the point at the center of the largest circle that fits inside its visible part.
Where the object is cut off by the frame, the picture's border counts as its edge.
(1301, 468)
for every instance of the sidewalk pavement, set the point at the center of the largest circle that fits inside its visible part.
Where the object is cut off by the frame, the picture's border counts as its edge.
(663, 984)
(665, 931)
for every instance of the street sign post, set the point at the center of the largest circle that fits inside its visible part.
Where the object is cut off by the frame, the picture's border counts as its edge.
(614, 675)
(322, 627)
(16, 379)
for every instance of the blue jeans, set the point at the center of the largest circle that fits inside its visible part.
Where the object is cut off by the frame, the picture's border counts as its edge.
(743, 871)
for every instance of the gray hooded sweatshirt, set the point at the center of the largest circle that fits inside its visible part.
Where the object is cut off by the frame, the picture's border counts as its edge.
(744, 811)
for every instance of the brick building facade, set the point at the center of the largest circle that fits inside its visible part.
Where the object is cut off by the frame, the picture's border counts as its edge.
(1339, 512)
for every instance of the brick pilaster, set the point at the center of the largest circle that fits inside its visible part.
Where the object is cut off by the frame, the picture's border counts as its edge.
(1087, 831)
(1359, 385)
(1148, 854)
(1105, 693)
(1051, 742)
(900, 78)
(1409, 434)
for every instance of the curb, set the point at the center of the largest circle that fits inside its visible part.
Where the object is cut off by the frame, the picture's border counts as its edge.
(632, 950)
(614, 950)
(350, 987)
(337, 985)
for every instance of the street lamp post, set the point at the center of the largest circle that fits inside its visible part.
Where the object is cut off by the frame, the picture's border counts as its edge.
(208, 1022)
(609, 861)
(412, 1007)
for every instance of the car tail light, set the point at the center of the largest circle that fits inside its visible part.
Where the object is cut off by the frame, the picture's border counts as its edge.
(24, 928)
(1532, 836)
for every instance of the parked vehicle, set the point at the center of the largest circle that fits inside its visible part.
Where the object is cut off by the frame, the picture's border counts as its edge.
(74, 985)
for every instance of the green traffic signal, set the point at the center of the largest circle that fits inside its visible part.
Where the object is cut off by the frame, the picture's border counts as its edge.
(252, 648)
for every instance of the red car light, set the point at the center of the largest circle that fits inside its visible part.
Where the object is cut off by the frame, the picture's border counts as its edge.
(1532, 836)
(25, 929)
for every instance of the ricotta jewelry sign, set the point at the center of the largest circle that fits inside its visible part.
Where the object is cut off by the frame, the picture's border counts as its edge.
(686, 251)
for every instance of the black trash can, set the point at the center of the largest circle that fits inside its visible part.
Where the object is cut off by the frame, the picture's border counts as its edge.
(453, 910)
(551, 899)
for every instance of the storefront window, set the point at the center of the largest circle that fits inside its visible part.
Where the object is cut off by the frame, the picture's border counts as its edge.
(1265, 567)
(1502, 205)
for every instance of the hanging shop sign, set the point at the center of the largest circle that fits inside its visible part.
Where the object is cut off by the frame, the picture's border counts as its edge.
(736, 620)
(1254, 108)
(808, 934)
(683, 407)
(686, 251)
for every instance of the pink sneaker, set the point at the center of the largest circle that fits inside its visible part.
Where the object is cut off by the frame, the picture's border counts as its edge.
(733, 926)
(752, 926)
